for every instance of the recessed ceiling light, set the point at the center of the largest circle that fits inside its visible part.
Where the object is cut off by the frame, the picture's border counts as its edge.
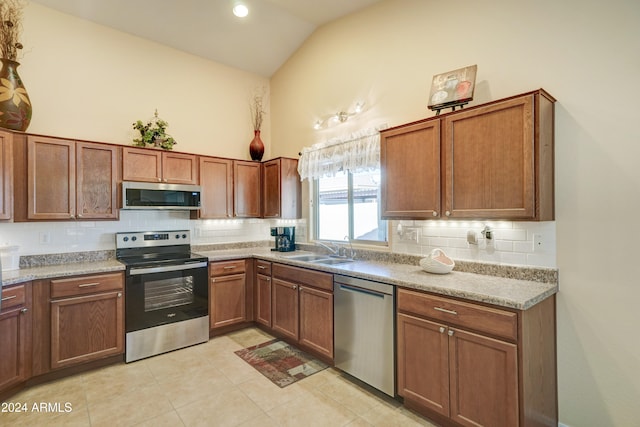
(240, 10)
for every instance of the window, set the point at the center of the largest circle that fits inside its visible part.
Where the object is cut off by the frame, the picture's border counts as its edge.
(347, 205)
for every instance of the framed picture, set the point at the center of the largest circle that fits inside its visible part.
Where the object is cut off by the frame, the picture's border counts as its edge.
(452, 88)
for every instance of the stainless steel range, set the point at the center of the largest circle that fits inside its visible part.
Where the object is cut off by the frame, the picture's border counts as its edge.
(166, 292)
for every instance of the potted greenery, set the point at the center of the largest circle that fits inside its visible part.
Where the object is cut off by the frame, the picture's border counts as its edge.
(153, 134)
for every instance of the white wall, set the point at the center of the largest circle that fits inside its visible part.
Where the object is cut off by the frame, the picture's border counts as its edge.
(90, 82)
(586, 54)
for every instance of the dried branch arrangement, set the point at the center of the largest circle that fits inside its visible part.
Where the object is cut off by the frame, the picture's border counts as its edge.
(10, 28)
(257, 108)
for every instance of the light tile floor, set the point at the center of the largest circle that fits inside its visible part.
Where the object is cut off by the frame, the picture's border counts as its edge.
(206, 385)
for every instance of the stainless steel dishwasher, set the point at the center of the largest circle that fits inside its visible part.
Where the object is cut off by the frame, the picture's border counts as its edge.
(364, 325)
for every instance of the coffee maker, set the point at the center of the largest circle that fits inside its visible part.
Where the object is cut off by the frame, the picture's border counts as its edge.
(285, 238)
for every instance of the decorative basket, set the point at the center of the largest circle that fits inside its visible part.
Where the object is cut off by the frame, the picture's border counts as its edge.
(437, 262)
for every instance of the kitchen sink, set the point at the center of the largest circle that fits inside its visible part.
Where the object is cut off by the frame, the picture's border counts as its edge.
(331, 261)
(308, 257)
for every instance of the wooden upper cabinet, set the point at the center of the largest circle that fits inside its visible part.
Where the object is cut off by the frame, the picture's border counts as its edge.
(97, 177)
(489, 161)
(246, 188)
(410, 159)
(281, 189)
(216, 180)
(178, 168)
(149, 165)
(140, 164)
(51, 173)
(6, 175)
(492, 161)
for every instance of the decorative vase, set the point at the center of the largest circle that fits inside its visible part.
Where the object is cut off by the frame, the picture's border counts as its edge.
(256, 148)
(15, 106)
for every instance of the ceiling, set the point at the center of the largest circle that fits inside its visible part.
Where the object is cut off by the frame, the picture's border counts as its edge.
(259, 43)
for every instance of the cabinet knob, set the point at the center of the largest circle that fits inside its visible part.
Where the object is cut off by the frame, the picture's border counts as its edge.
(294, 287)
(24, 310)
(119, 294)
(159, 179)
(447, 213)
(268, 279)
(71, 216)
(450, 333)
(79, 215)
(434, 213)
(442, 329)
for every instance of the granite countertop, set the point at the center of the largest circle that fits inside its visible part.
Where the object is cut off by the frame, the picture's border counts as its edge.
(12, 277)
(500, 291)
(504, 292)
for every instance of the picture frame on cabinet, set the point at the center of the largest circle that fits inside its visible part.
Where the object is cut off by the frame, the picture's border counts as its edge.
(452, 89)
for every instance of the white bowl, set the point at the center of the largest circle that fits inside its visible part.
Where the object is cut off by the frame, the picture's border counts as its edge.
(437, 262)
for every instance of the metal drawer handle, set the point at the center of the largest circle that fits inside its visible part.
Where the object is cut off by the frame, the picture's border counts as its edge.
(24, 310)
(444, 310)
(442, 329)
(88, 285)
(450, 333)
(262, 267)
(8, 298)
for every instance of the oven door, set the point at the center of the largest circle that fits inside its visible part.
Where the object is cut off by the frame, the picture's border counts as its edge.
(165, 294)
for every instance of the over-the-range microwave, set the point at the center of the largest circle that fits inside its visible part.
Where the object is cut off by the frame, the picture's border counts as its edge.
(153, 196)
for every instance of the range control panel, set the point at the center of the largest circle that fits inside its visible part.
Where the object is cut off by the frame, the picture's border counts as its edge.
(143, 239)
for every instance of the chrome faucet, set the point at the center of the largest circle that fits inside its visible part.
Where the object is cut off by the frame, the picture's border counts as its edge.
(333, 249)
(352, 253)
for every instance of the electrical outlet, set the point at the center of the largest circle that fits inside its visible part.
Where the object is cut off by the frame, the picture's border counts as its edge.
(538, 242)
(45, 237)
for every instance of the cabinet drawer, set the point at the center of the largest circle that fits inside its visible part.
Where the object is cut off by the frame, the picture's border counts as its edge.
(227, 267)
(484, 319)
(86, 285)
(263, 267)
(13, 297)
(303, 276)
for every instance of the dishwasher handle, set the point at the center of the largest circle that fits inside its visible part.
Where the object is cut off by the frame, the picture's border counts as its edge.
(370, 292)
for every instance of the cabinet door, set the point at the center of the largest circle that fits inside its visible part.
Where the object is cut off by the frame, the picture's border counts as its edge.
(15, 337)
(140, 164)
(6, 175)
(489, 161)
(284, 307)
(410, 169)
(179, 168)
(96, 179)
(51, 178)
(316, 320)
(271, 191)
(246, 189)
(263, 304)
(86, 328)
(423, 368)
(228, 300)
(216, 180)
(484, 380)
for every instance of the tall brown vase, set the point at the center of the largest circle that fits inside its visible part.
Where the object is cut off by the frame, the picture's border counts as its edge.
(256, 148)
(15, 105)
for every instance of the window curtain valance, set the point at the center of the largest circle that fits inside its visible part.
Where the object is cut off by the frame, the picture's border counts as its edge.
(356, 152)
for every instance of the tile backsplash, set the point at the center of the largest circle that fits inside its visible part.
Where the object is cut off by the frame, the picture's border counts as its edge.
(512, 243)
(76, 236)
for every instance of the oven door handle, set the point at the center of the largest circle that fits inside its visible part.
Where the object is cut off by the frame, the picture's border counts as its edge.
(149, 270)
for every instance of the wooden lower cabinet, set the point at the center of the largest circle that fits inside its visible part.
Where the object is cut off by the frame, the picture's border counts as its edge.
(229, 298)
(316, 320)
(285, 308)
(302, 308)
(492, 375)
(87, 319)
(263, 293)
(15, 336)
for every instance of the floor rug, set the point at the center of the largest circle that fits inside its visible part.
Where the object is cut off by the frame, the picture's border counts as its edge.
(280, 362)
